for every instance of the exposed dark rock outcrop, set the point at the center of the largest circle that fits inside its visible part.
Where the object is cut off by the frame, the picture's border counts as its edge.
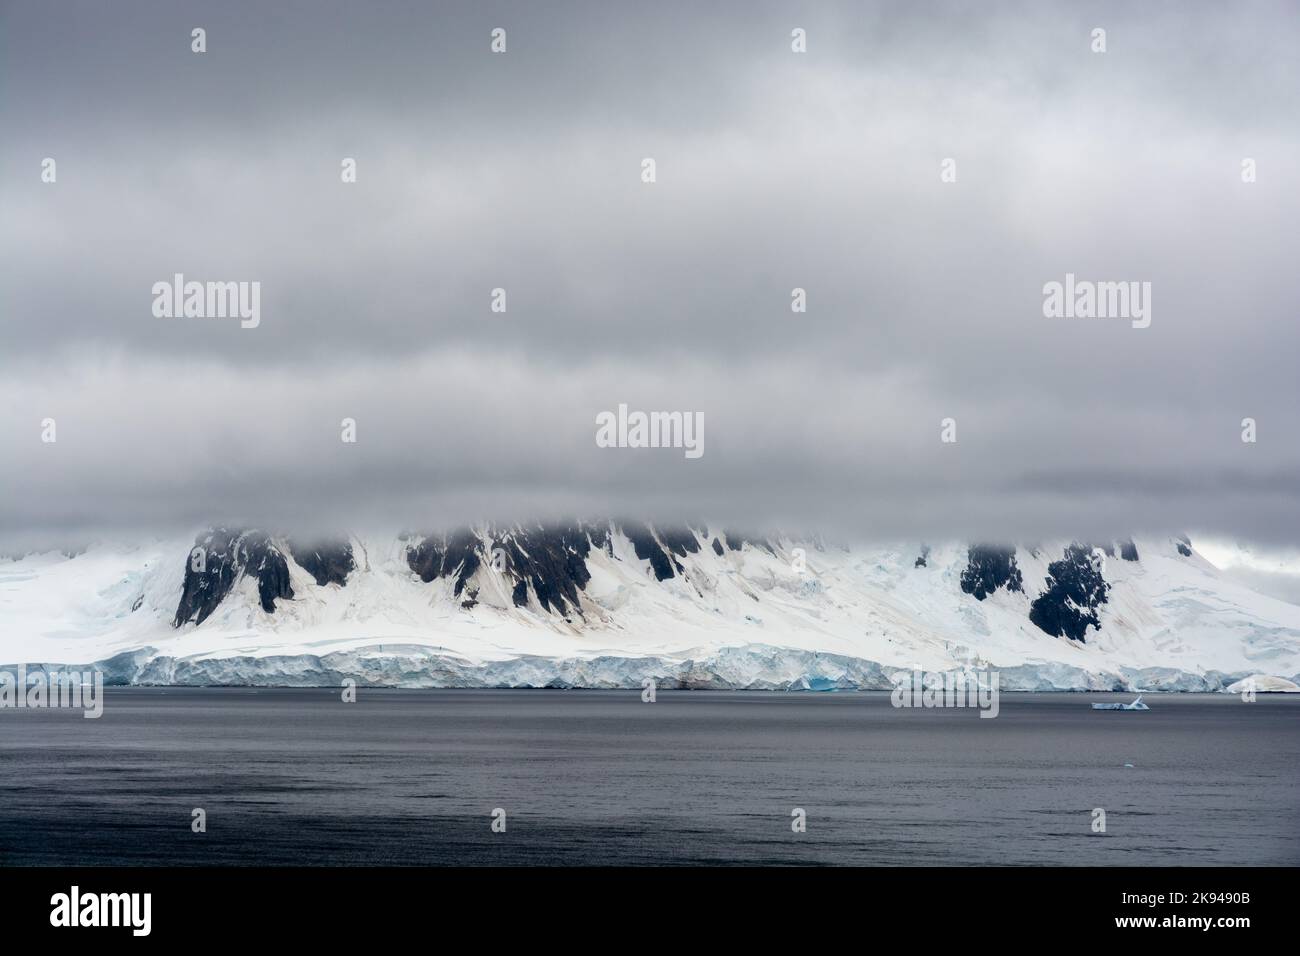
(736, 541)
(471, 599)
(329, 562)
(1075, 591)
(219, 558)
(442, 556)
(552, 560)
(1184, 545)
(549, 560)
(598, 535)
(546, 566)
(680, 540)
(989, 567)
(648, 549)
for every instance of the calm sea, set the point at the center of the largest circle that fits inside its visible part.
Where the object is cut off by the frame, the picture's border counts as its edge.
(595, 777)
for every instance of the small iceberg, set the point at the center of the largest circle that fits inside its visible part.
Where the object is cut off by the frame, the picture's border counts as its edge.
(1136, 705)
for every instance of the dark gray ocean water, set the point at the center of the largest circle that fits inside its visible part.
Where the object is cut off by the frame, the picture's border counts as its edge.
(597, 777)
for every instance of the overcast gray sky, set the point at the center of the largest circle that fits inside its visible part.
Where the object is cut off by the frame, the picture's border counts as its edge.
(774, 170)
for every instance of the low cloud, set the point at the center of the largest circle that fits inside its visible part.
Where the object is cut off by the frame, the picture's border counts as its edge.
(776, 171)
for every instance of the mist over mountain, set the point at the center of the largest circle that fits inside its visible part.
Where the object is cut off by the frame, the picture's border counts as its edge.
(601, 603)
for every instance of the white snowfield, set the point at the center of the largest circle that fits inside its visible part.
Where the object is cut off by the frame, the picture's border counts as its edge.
(745, 618)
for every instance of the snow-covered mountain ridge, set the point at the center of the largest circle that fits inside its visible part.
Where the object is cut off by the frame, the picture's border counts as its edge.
(606, 604)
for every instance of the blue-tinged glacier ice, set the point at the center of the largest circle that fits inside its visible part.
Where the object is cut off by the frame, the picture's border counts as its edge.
(610, 605)
(747, 667)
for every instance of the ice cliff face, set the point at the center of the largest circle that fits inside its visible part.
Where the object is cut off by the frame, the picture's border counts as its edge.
(609, 603)
(750, 667)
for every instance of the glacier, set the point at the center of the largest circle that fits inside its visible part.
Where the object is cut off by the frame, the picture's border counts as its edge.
(612, 604)
(747, 667)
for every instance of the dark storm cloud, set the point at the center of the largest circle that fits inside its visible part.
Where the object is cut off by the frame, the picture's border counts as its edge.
(775, 170)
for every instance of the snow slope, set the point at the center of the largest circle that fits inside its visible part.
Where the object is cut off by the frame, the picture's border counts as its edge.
(742, 618)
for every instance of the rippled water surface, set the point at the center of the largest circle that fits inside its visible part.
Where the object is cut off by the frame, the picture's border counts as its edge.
(591, 777)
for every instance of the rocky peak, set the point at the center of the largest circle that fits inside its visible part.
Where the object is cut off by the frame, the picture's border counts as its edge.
(219, 558)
